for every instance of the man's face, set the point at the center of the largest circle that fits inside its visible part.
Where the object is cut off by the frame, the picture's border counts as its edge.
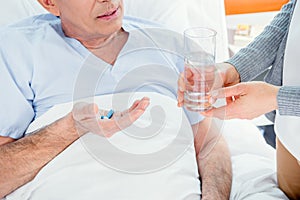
(90, 19)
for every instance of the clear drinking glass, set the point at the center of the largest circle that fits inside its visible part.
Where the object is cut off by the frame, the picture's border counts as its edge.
(199, 69)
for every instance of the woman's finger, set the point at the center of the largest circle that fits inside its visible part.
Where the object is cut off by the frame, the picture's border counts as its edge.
(180, 82)
(215, 112)
(180, 99)
(230, 91)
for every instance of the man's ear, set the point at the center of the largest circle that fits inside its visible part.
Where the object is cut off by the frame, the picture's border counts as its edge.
(51, 6)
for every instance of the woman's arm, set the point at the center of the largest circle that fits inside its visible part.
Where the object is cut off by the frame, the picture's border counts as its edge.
(261, 52)
(288, 100)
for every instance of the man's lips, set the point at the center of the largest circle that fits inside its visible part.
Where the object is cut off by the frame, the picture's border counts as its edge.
(109, 14)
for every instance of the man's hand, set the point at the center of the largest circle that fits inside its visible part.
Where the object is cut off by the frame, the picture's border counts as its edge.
(87, 118)
(249, 100)
(21, 160)
(226, 75)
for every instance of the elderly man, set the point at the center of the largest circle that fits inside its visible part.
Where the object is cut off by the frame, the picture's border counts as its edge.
(43, 72)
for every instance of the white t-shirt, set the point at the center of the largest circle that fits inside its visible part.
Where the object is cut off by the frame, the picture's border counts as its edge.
(41, 67)
(287, 127)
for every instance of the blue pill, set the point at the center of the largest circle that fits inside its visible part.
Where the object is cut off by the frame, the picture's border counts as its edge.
(110, 114)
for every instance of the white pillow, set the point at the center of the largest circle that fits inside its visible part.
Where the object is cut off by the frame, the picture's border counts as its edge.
(14, 10)
(181, 14)
(175, 14)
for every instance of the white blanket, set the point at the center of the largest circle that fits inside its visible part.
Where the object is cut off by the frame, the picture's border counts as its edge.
(125, 166)
(135, 166)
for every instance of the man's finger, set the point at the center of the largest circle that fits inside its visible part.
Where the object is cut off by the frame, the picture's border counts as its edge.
(134, 105)
(129, 117)
(139, 110)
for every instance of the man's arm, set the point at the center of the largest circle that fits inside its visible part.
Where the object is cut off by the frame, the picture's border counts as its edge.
(213, 159)
(5, 140)
(20, 161)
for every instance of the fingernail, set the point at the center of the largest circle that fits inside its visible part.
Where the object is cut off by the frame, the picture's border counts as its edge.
(145, 105)
(212, 100)
(146, 98)
(214, 93)
(204, 113)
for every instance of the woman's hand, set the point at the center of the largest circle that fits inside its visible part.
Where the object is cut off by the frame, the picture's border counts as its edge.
(87, 118)
(226, 75)
(249, 100)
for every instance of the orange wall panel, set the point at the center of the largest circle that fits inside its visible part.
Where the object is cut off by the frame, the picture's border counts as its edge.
(252, 6)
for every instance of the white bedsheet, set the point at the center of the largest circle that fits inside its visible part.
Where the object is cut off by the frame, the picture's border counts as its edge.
(122, 167)
(79, 172)
(253, 163)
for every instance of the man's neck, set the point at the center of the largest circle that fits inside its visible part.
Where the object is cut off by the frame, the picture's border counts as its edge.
(109, 49)
(102, 41)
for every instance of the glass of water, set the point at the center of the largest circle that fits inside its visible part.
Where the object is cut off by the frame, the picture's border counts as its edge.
(199, 69)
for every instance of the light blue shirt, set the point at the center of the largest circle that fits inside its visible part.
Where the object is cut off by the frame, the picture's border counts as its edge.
(41, 67)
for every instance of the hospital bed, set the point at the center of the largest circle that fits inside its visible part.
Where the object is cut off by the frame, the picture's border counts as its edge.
(254, 175)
